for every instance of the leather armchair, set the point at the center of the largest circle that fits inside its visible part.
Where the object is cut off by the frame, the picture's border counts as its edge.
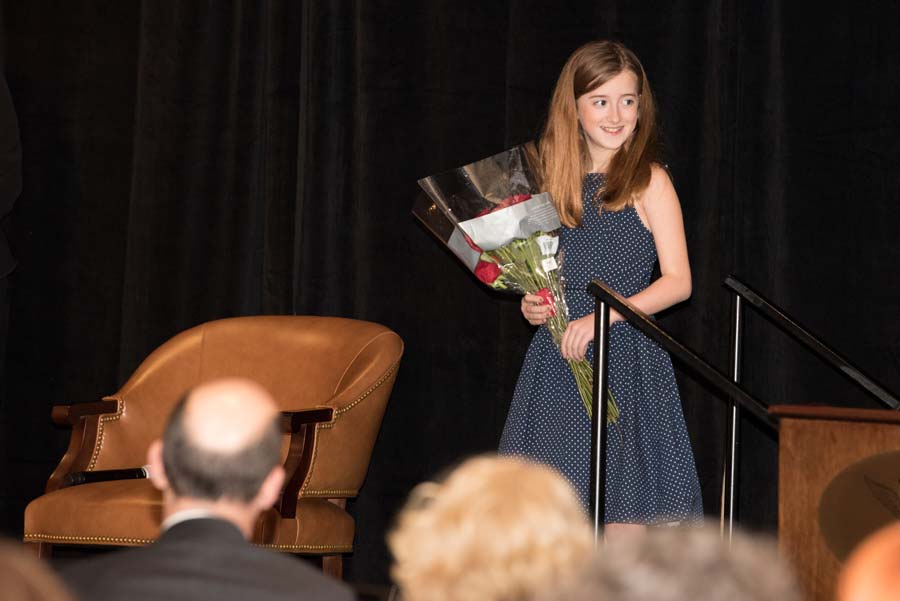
(332, 378)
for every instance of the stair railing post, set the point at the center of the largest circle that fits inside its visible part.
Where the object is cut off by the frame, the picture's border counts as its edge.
(598, 419)
(732, 440)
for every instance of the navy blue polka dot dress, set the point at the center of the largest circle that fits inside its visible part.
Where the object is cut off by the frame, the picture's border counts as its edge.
(651, 477)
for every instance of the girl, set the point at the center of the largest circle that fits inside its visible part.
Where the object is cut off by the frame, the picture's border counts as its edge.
(620, 215)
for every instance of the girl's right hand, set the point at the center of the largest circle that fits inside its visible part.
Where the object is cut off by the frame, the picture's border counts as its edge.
(535, 310)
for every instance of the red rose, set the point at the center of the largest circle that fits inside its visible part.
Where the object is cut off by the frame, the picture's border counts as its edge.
(506, 202)
(545, 294)
(513, 200)
(487, 272)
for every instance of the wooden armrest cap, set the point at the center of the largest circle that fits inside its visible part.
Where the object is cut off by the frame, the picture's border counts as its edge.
(292, 421)
(69, 414)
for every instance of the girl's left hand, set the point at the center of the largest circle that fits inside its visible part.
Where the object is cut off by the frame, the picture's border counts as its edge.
(579, 334)
(576, 338)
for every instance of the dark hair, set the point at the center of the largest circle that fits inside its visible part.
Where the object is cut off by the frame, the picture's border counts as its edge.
(210, 475)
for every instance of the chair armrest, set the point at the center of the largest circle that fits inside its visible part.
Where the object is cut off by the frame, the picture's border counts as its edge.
(83, 437)
(70, 414)
(301, 426)
(293, 421)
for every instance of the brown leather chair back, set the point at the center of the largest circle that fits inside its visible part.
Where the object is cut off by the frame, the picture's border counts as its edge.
(304, 361)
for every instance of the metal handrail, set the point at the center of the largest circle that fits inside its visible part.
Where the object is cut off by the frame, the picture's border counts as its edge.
(777, 316)
(606, 297)
(642, 322)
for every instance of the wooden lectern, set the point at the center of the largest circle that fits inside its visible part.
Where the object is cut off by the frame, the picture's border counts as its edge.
(826, 490)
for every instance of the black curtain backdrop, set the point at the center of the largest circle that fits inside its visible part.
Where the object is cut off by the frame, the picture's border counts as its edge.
(187, 161)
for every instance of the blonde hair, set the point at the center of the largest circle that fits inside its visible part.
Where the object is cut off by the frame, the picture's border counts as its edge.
(563, 150)
(26, 578)
(497, 529)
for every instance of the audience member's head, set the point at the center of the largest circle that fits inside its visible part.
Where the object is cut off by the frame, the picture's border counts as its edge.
(872, 572)
(23, 577)
(496, 529)
(682, 564)
(220, 452)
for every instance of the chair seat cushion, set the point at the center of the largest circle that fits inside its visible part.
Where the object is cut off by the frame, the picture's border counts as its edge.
(118, 512)
(128, 513)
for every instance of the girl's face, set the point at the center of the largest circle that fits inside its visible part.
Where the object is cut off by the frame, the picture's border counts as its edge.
(608, 116)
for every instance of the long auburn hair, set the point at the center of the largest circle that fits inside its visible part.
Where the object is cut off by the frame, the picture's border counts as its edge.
(563, 150)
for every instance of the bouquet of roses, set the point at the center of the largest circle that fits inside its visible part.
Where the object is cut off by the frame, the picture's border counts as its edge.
(490, 215)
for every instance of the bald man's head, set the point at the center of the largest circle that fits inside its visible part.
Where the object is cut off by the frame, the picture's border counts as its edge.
(222, 441)
(872, 572)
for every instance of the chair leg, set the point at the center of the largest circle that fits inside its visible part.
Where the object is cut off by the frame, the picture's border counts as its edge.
(333, 565)
(42, 550)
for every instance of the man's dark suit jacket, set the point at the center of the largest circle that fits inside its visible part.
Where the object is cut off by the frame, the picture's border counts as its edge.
(200, 559)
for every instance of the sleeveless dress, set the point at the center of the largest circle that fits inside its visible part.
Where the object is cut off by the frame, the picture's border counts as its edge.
(651, 477)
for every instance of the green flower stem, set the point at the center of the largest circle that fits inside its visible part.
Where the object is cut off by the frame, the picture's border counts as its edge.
(584, 376)
(521, 264)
